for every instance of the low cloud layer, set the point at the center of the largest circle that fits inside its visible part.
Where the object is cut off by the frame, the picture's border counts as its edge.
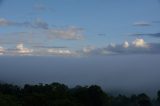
(138, 46)
(22, 50)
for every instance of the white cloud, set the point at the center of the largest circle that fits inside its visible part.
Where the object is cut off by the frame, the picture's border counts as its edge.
(60, 51)
(70, 33)
(88, 49)
(138, 46)
(2, 50)
(139, 43)
(22, 50)
(142, 24)
(125, 44)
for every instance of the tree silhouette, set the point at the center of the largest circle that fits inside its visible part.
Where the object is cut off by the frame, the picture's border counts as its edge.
(56, 94)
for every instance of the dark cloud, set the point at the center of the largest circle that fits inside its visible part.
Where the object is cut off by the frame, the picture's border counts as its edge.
(156, 22)
(136, 47)
(142, 24)
(147, 34)
(101, 34)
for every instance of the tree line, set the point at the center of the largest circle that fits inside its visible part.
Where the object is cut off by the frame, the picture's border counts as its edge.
(56, 94)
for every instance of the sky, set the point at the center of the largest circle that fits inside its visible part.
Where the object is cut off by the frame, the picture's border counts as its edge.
(113, 43)
(78, 28)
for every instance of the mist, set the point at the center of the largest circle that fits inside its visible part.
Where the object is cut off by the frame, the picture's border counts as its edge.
(126, 74)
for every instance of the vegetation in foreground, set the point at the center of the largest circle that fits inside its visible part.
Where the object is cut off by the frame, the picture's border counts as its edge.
(57, 94)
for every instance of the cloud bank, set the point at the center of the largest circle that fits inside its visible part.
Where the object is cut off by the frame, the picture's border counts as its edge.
(138, 46)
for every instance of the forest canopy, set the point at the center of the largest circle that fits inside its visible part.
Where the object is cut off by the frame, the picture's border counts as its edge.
(56, 94)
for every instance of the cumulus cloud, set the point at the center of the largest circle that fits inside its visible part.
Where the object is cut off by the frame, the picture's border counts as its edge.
(70, 33)
(139, 43)
(125, 44)
(22, 50)
(142, 24)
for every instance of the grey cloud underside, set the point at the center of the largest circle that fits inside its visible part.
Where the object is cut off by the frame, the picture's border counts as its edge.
(142, 24)
(156, 22)
(153, 48)
(147, 34)
(36, 24)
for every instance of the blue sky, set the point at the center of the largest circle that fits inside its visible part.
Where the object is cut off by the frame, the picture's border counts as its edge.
(79, 27)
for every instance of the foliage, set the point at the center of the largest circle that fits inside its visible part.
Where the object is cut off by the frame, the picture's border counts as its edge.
(57, 94)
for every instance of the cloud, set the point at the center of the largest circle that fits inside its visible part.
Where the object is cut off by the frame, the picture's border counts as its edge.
(140, 43)
(22, 50)
(157, 22)
(147, 34)
(138, 46)
(49, 47)
(37, 24)
(101, 34)
(69, 33)
(88, 49)
(125, 44)
(39, 7)
(5, 22)
(60, 51)
(2, 50)
(142, 24)
(154, 34)
(53, 50)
